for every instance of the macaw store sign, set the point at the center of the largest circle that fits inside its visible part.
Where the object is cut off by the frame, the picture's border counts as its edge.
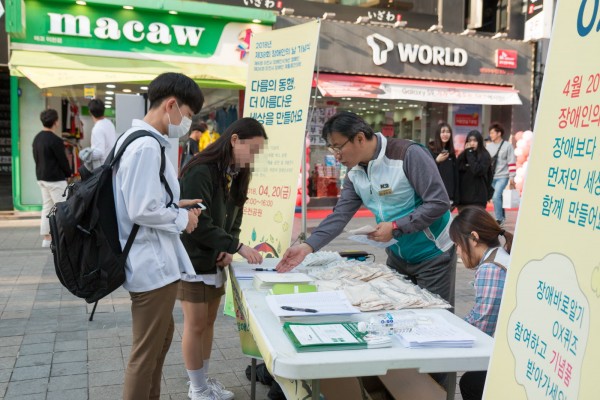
(73, 26)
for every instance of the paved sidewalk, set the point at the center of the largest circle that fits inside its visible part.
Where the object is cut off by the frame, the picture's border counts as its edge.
(49, 349)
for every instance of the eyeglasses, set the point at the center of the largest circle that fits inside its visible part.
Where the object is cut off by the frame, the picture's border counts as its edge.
(337, 150)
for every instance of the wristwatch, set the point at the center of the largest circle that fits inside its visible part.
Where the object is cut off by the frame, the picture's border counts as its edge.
(396, 232)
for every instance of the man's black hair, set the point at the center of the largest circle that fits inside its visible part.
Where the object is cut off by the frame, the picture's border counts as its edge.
(96, 107)
(347, 124)
(183, 88)
(48, 117)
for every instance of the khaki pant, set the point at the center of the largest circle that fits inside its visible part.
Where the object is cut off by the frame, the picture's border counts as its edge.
(52, 193)
(152, 327)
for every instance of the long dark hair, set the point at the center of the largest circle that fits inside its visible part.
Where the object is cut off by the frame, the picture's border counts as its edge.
(476, 219)
(438, 145)
(480, 151)
(221, 153)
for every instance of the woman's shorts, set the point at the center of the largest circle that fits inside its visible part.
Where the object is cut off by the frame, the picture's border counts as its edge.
(199, 292)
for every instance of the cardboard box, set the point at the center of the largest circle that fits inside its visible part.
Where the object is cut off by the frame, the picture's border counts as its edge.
(343, 389)
(408, 384)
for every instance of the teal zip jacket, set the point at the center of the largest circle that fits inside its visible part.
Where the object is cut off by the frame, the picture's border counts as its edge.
(401, 183)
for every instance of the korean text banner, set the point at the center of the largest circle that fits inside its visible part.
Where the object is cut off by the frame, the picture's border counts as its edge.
(280, 75)
(546, 339)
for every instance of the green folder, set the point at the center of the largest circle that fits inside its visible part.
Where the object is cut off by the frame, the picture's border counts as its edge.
(325, 337)
(291, 288)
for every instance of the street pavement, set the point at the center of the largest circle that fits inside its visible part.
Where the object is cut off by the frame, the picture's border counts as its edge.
(49, 349)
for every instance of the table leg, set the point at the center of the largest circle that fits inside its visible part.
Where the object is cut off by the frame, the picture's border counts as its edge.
(316, 389)
(253, 379)
(451, 386)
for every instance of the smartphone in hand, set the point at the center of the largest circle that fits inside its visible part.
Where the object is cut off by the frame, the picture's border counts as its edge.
(197, 205)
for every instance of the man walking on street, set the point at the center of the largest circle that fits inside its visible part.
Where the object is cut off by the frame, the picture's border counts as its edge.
(157, 257)
(51, 168)
(505, 167)
(104, 135)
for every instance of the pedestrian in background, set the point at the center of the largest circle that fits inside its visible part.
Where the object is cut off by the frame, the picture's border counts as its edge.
(157, 257)
(477, 238)
(104, 134)
(51, 168)
(445, 158)
(192, 144)
(473, 167)
(505, 167)
(219, 175)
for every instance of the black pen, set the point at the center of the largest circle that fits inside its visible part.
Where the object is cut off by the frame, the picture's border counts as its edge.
(288, 308)
(265, 269)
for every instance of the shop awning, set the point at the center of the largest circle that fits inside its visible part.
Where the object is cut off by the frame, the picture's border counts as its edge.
(55, 69)
(334, 85)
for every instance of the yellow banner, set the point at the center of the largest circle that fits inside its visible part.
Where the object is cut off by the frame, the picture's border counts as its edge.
(545, 346)
(280, 75)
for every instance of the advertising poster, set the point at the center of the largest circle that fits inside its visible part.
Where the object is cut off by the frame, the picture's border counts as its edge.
(464, 118)
(280, 74)
(546, 340)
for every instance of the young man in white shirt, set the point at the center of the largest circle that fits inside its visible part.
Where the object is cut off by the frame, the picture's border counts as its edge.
(104, 135)
(157, 257)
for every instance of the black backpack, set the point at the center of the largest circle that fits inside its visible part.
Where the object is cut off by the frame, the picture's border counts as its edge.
(88, 257)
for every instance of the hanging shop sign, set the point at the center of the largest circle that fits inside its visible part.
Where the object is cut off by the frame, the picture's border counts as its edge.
(506, 58)
(90, 30)
(413, 53)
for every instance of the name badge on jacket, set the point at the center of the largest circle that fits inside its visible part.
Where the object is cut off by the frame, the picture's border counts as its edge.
(385, 189)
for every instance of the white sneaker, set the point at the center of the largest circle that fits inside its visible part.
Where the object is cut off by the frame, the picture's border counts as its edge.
(206, 394)
(46, 243)
(218, 388)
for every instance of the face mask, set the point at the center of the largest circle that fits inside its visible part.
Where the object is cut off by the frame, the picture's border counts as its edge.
(177, 131)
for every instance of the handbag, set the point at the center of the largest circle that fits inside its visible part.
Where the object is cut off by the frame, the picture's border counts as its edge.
(511, 198)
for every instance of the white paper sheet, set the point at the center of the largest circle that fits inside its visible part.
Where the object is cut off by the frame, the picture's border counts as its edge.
(326, 303)
(365, 240)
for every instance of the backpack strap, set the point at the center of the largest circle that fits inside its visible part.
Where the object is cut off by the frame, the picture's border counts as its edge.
(113, 158)
(490, 259)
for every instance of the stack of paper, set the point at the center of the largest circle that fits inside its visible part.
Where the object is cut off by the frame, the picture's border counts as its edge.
(311, 304)
(266, 280)
(434, 331)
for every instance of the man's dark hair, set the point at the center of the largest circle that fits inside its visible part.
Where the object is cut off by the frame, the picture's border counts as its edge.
(497, 126)
(183, 88)
(198, 124)
(48, 117)
(347, 124)
(96, 108)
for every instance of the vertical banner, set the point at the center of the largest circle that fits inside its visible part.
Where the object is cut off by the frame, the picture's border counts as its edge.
(545, 346)
(280, 73)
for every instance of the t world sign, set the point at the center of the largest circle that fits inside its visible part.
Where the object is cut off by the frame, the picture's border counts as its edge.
(416, 53)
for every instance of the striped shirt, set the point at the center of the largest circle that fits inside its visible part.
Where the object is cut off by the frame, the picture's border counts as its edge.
(489, 285)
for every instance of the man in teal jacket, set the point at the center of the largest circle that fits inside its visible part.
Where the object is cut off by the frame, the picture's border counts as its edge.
(399, 182)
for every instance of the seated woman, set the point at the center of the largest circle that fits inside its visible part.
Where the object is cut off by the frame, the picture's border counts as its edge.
(473, 166)
(477, 237)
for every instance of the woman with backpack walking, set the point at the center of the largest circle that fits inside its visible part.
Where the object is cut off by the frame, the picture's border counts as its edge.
(445, 158)
(220, 176)
(477, 238)
(473, 167)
